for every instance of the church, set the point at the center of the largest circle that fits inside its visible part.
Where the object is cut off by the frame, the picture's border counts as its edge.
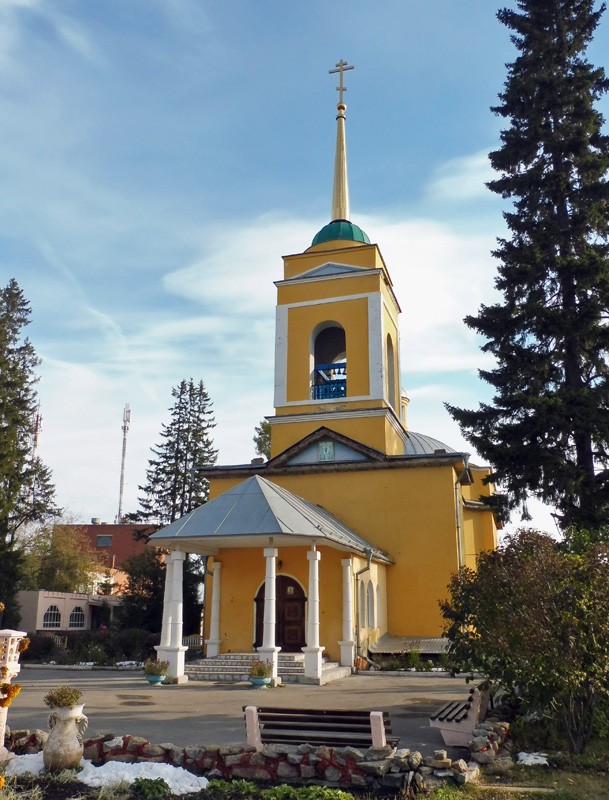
(342, 543)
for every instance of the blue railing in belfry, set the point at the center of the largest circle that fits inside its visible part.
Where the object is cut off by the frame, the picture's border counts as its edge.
(330, 390)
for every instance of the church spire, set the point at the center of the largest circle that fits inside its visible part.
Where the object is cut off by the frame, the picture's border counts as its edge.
(340, 194)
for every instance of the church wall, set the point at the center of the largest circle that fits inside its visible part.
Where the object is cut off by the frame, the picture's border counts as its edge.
(410, 513)
(374, 431)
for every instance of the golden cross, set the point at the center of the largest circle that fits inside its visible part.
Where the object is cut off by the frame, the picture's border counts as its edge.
(341, 67)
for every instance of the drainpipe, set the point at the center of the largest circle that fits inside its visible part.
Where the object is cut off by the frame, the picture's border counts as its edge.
(459, 516)
(368, 553)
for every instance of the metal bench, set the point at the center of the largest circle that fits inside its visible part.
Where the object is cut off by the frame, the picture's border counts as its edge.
(457, 720)
(325, 727)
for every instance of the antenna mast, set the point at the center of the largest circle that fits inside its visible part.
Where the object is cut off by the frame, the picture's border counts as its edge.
(126, 421)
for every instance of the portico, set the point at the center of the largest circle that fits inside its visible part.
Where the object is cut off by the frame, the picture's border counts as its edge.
(271, 529)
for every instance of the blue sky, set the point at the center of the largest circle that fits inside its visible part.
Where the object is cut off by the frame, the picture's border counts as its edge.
(158, 157)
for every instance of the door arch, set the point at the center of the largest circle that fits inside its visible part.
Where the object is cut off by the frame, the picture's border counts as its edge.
(289, 615)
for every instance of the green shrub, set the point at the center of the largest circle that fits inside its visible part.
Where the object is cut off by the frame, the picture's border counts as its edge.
(413, 660)
(150, 789)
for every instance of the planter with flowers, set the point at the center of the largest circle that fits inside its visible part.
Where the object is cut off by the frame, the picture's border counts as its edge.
(261, 673)
(155, 671)
(67, 724)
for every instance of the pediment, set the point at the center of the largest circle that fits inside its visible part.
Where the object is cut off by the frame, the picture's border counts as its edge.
(331, 268)
(325, 447)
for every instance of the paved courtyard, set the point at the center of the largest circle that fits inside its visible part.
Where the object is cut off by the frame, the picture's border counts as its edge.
(121, 702)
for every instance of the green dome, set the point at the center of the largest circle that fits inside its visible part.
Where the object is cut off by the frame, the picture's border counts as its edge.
(340, 229)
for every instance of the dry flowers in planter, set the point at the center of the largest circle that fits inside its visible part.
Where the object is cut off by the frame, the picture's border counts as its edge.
(261, 669)
(152, 667)
(63, 697)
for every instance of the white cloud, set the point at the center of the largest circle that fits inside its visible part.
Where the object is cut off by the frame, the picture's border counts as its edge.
(461, 179)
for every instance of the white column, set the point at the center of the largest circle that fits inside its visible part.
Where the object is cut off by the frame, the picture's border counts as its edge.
(174, 651)
(269, 651)
(347, 645)
(167, 608)
(213, 643)
(313, 651)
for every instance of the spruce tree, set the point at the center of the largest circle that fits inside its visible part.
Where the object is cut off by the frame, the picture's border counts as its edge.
(172, 486)
(26, 491)
(546, 432)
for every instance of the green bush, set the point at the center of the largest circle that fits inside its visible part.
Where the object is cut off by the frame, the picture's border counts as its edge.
(42, 648)
(150, 789)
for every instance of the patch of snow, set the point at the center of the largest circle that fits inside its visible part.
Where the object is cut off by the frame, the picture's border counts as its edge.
(533, 759)
(180, 781)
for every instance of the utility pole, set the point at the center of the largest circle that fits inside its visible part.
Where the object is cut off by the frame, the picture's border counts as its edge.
(126, 421)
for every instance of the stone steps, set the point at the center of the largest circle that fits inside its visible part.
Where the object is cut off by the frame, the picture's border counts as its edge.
(235, 667)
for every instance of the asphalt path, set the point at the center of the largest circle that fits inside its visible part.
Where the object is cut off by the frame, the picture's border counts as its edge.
(201, 713)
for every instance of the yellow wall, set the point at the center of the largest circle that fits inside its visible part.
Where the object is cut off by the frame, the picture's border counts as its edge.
(410, 513)
(375, 432)
(243, 573)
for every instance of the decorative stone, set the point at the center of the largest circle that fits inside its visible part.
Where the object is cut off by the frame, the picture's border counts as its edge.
(358, 780)
(426, 770)
(295, 758)
(286, 771)
(438, 763)
(379, 753)
(353, 753)
(440, 754)
(459, 766)
(443, 773)
(113, 744)
(501, 766)
(376, 768)
(393, 781)
(478, 743)
(307, 771)
(484, 756)
(250, 773)
(415, 759)
(135, 743)
(403, 752)
(332, 774)
(153, 750)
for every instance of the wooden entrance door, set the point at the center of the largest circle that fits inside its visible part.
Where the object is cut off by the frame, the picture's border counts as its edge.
(289, 616)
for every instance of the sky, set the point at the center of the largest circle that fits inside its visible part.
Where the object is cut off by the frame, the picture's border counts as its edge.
(159, 157)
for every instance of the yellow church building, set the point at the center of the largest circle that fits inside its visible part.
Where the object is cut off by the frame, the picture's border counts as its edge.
(343, 542)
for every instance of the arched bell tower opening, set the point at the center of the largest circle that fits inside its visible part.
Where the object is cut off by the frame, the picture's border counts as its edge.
(390, 373)
(329, 357)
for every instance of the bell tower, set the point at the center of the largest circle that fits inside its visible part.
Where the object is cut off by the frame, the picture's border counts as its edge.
(337, 335)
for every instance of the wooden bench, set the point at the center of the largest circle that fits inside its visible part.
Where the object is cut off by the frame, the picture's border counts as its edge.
(457, 720)
(325, 727)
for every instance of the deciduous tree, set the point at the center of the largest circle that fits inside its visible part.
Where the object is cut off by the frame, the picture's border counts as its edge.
(535, 620)
(59, 558)
(546, 431)
(262, 439)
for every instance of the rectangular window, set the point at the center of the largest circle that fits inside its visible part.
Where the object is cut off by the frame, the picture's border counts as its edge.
(104, 540)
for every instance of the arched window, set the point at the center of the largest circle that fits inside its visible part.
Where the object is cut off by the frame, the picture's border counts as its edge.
(52, 618)
(77, 618)
(362, 605)
(390, 372)
(380, 612)
(329, 350)
(371, 610)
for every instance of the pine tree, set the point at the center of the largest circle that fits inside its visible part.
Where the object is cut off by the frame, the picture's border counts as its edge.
(172, 486)
(26, 492)
(546, 432)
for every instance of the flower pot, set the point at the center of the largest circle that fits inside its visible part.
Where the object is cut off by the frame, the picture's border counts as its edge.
(64, 747)
(155, 680)
(259, 683)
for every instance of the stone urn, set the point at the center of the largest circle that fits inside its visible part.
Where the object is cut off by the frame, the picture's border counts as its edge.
(64, 747)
